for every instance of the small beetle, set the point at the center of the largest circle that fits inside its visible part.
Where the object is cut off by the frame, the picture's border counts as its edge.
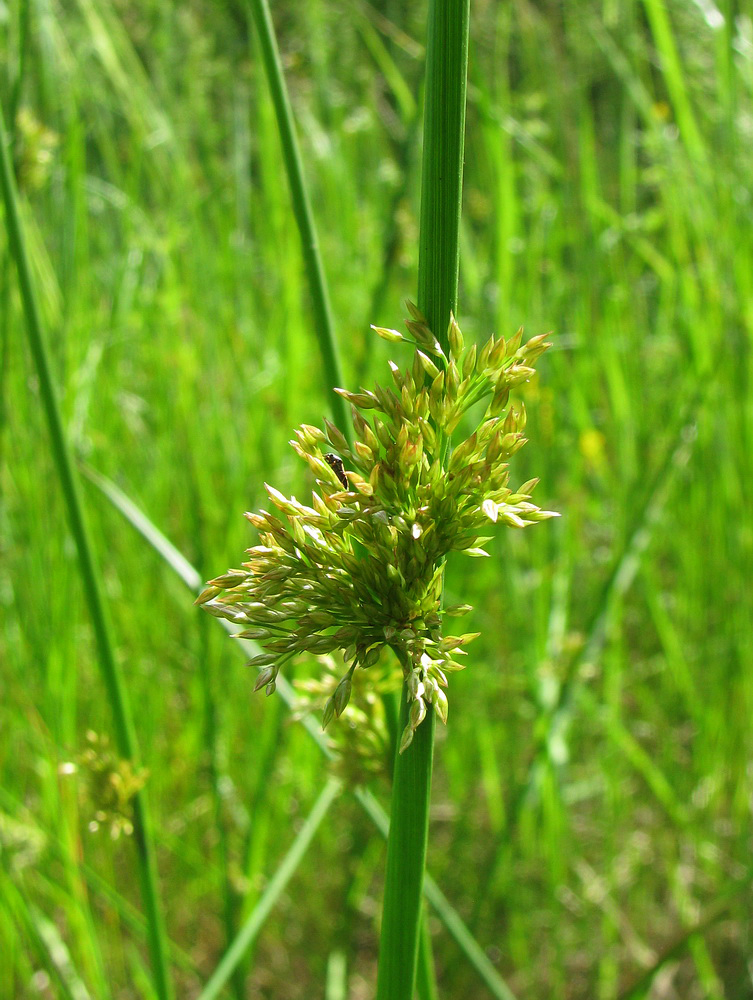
(336, 464)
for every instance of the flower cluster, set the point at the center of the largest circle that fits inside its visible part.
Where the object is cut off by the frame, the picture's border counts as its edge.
(361, 568)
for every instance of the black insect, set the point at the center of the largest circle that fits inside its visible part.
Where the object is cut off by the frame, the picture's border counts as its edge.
(336, 464)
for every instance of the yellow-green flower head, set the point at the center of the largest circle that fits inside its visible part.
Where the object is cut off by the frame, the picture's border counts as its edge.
(361, 568)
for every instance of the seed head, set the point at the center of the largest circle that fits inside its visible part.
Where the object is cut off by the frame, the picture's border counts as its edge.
(361, 569)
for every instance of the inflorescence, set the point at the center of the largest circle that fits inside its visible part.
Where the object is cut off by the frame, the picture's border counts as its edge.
(361, 569)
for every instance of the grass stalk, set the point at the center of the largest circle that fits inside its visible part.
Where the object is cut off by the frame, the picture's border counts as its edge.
(442, 167)
(323, 325)
(441, 196)
(406, 860)
(89, 570)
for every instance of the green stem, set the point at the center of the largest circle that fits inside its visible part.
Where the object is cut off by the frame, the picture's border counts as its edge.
(406, 860)
(111, 673)
(441, 198)
(302, 210)
(442, 169)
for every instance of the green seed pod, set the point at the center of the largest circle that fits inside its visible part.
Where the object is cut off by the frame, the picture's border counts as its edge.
(392, 336)
(342, 695)
(454, 338)
(469, 362)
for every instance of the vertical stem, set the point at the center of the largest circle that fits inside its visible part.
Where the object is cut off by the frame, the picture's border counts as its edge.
(302, 210)
(442, 169)
(68, 476)
(441, 196)
(406, 859)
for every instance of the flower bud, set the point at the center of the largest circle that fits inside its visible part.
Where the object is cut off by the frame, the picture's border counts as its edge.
(454, 338)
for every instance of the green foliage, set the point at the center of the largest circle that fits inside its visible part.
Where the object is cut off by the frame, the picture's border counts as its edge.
(591, 805)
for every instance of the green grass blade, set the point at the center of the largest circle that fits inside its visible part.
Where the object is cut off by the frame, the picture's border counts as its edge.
(323, 324)
(282, 876)
(442, 168)
(661, 28)
(112, 675)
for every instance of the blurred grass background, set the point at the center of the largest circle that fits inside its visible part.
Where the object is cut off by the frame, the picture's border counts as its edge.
(592, 793)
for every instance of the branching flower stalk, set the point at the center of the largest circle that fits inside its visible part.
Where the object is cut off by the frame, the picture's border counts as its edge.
(361, 569)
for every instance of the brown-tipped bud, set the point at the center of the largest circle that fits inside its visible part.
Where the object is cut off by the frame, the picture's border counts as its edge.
(336, 438)
(365, 454)
(415, 312)
(455, 338)
(410, 454)
(264, 678)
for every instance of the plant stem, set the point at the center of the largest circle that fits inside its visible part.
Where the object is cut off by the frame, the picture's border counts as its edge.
(441, 197)
(406, 859)
(442, 168)
(68, 476)
(302, 210)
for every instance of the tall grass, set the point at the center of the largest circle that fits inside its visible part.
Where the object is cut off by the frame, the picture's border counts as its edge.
(591, 800)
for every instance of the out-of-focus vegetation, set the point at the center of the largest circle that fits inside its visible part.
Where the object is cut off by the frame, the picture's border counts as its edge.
(592, 793)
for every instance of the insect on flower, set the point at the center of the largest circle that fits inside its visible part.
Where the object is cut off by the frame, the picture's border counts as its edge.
(336, 464)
